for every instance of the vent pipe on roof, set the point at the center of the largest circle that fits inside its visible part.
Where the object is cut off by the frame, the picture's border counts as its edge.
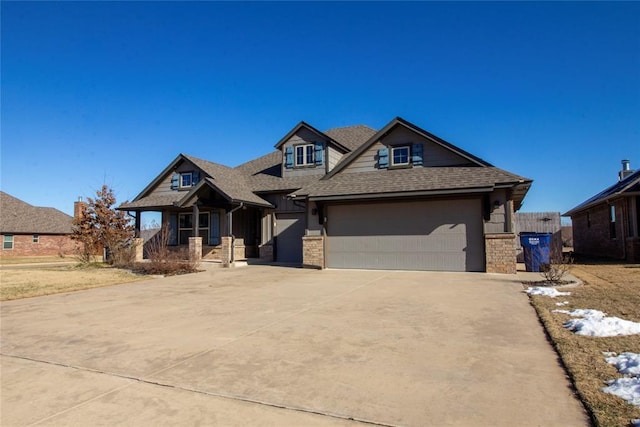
(626, 170)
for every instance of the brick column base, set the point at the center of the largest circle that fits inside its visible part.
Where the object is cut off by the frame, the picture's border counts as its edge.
(500, 253)
(266, 252)
(195, 248)
(225, 251)
(313, 252)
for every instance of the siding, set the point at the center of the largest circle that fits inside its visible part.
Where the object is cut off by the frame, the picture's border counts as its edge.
(303, 136)
(434, 155)
(497, 222)
(164, 187)
(282, 203)
(333, 157)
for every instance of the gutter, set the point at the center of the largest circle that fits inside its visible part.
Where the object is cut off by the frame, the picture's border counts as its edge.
(401, 194)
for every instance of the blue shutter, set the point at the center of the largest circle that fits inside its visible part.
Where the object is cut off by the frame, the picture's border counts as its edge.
(416, 158)
(175, 181)
(214, 228)
(318, 153)
(288, 161)
(173, 229)
(383, 158)
(195, 177)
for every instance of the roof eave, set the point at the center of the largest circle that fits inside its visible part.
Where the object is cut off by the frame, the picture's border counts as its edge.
(399, 194)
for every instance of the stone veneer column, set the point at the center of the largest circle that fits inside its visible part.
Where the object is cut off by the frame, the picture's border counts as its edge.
(225, 251)
(313, 252)
(138, 244)
(195, 248)
(500, 253)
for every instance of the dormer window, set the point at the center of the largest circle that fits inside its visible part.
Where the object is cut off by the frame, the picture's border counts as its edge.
(304, 155)
(186, 179)
(400, 155)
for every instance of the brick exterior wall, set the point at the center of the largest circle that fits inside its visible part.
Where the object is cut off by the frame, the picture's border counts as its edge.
(313, 251)
(500, 253)
(48, 245)
(592, 235)
(266, 252)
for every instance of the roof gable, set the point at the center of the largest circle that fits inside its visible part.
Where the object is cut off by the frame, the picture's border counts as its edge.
(398, 121)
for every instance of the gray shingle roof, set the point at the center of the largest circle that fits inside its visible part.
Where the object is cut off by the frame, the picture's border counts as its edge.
(20, 217)
(410, 180)
(351, 136)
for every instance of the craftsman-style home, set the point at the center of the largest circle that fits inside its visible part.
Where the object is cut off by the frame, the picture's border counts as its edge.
(351, 197)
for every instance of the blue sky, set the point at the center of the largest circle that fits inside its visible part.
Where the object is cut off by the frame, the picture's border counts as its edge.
(111, 92)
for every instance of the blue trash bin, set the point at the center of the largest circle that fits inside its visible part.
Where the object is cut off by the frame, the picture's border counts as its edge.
(536, 248)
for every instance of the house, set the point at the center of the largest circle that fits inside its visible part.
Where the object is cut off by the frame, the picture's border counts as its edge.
(540, 222)
(351, 197)
(608, 224)
(32, 230)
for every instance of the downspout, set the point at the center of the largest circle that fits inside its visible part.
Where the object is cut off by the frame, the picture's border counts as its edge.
(230, 225)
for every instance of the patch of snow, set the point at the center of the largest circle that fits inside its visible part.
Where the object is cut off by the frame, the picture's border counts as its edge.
(609, 353)
(635, 422)
(626, 363)
(595, 323)
(548, 292)
(560, 304)
(626, 388)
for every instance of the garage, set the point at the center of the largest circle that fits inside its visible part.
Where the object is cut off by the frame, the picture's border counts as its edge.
(289, 232)
(442, 235)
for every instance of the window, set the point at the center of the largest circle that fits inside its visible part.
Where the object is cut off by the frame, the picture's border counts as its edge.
(36, 238)
(7, 241)
(185, 227)
(612, 222)
(304, 155)
(186, 179)
(400, 156)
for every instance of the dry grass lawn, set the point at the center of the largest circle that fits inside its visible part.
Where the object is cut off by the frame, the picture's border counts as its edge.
(614, 289)
(23, 282)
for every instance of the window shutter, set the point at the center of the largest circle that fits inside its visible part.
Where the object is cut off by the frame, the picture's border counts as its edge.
(175, 181)
(383, 158)
(195, 177)
(416, 158)
(288, 161)
(318, 153)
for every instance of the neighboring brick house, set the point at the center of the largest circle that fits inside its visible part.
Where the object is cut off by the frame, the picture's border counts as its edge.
(608, 224)
(33, 231)
(397, 198)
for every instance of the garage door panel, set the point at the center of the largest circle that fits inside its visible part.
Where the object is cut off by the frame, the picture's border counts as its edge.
(409, 235)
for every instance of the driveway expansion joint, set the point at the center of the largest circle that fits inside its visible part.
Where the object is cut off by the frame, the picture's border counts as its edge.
(132, 380)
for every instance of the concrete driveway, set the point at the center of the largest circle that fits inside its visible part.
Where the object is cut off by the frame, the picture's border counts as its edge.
(263, 345)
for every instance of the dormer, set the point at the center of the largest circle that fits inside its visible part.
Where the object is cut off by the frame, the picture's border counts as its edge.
(307, 151)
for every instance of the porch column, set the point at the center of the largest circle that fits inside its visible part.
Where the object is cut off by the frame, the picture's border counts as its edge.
(196, 220)
(195, 248)
(138, 226)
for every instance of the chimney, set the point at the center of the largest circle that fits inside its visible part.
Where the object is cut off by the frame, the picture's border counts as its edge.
(78, 208)
(626, 170)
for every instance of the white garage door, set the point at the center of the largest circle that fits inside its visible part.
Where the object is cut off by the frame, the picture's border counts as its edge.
(433, 235)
